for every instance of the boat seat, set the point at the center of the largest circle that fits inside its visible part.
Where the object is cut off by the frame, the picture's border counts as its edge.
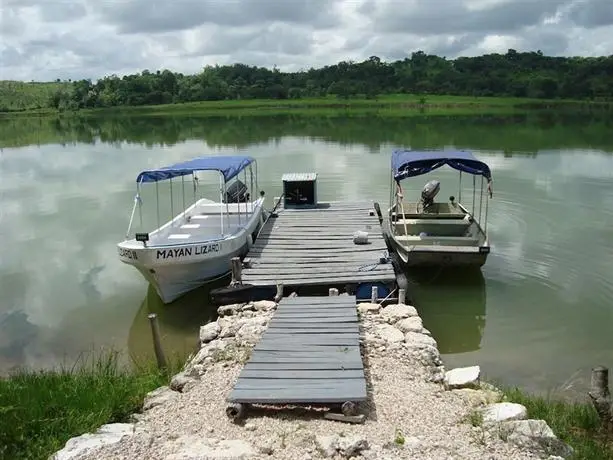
(443, 240)
(447, 227)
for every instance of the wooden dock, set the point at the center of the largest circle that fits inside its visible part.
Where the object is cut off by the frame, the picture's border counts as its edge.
(310, 354)
(315, 247)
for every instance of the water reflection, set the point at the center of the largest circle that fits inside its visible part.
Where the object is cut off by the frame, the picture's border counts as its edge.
(179, 322)
(452, 304)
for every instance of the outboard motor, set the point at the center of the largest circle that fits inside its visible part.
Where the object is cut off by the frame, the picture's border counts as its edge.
(236, 192)
(429, 191)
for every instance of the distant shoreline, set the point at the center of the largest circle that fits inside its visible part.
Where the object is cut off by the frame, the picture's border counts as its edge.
(385, 105)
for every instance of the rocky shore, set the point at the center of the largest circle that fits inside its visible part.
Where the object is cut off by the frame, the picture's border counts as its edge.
(416, 409)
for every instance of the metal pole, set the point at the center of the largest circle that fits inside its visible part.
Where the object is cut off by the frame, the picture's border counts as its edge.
(172, 206)
(225, 192)
(157, 201)
(460, 189)
(221, 201)
(140, 204)
(194, 185)
(157, 342)
(487, 200)
(183, 193)
(474, 191)
(251, 195)
(480, 200)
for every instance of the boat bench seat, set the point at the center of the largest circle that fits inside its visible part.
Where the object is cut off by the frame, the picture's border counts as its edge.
(443, 240)
(456, 227)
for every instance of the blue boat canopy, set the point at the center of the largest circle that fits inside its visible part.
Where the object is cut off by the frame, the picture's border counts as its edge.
(229, 166)
(411, 163)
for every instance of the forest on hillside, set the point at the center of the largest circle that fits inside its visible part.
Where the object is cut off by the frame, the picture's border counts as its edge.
(514, 74)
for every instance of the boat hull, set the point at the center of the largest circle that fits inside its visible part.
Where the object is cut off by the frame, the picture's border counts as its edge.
(172, 281)
(437, 255)
(178, 269)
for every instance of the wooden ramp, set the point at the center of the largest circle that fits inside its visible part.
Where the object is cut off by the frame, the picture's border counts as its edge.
(315, 247)
(310, 354)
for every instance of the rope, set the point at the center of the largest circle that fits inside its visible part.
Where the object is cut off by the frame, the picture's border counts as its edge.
(385, 259)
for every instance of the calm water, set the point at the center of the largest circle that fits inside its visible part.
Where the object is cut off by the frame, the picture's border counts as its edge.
(538, 315)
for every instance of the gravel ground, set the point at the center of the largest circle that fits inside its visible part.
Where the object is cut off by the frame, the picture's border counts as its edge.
(409, 414)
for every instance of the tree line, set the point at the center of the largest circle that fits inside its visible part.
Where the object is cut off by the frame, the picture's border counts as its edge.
(514, 74)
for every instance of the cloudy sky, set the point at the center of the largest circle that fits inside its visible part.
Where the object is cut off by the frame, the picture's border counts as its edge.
(48, 39)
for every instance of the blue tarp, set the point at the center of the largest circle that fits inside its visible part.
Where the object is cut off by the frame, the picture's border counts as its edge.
(229, 166)
(411, 163)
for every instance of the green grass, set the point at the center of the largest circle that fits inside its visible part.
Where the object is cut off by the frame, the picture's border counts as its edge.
(575, 423)
(23, 96)
(385, 105)
(40, 411)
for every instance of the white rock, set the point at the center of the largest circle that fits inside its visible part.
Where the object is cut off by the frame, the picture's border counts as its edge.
(534, 435)
(417, 340)
(193, 447)
(104, 436)
(207, 351)
(264, 305)
(368, 307)
(209, 332)
(250, 333)
(247, 307)
(463, 377)
(327, 445)
(394, 313)
(412, 324)
(502, 412)
(158, 397)
(389, 333)
(180, 382)
(226, 310)
(351, 446)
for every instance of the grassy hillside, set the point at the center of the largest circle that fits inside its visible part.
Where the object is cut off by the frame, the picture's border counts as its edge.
(18, 95)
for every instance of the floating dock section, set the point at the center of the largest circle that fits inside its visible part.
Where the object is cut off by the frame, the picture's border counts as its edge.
(314, 247)
(309, 355)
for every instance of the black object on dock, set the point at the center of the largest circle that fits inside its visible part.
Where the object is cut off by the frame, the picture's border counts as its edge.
(314, 247)
(310, 354)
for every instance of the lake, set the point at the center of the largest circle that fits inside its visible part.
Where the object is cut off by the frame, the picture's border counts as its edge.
(538, 315)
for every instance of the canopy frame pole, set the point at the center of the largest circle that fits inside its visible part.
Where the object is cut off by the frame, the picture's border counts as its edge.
(225, 193)
(460, 189)
(474, 191)
(157, 202)
(140, 203)
(238, 200)
(183, 193)
(480, 201)
(172, 206)
(251, 195)
(137, 201)
(221, 178)
(194, 185)
(257, 186)
(487, 200)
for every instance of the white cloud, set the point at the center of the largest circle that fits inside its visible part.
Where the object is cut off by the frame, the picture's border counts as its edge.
(48, 39)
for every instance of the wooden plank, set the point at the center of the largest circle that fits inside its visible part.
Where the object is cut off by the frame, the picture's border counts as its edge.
(343, 352)
(302, 366)
(313, 331)
(301, 309)
(331, 315)
(275, 342)
(316, 272)
(319, 236)
(323, 299)
(305, 322)
(315, 374)
(258, 259)
(288, 324)
(314, 252)
(294, 396)
(330, 279)
(300, 384)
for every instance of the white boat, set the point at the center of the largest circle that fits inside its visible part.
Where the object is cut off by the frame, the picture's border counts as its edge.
(429, 233)
(197, 245)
